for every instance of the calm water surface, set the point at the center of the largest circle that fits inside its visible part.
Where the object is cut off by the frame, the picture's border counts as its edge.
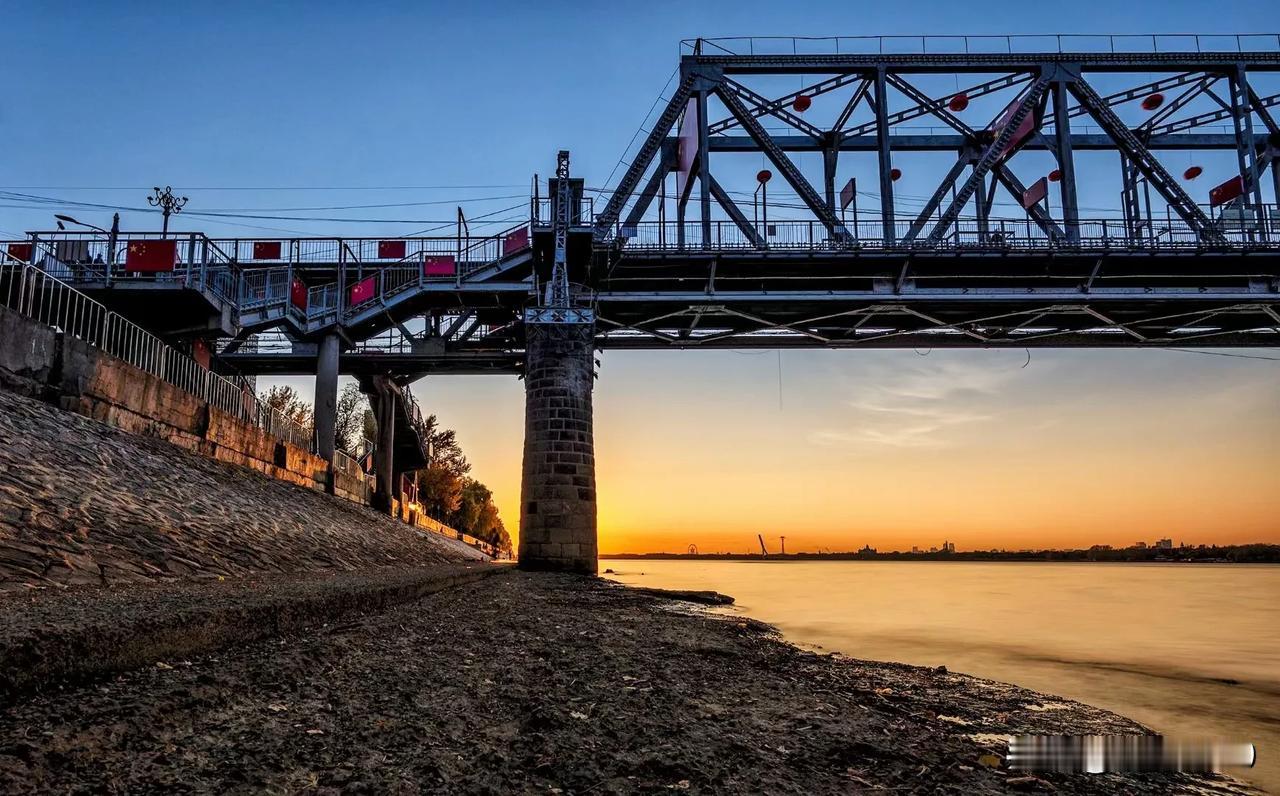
(1191, 650)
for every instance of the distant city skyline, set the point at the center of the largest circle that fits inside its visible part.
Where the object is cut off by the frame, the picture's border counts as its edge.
(1162, 543)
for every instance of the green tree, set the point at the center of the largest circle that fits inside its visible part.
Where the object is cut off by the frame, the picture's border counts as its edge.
(286, 400)
(349, 423)
(477, 515)
(441, 482)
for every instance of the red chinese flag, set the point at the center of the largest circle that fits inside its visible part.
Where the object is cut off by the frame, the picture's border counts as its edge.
(1226, 191)
(20, 251)
(266, 250)
(364, 290)
(440, 265)
(391, 250)
(151, 256)
(297, 292)
(515, 241)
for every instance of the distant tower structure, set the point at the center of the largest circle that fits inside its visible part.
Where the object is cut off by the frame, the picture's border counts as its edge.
(784, 545)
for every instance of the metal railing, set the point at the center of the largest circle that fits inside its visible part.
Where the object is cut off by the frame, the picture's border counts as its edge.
(540, 208)
(256, 276)
(984, 44)
(30, 291)
(91, 257)
(472, 250)
(263, 287)
(1250, 232)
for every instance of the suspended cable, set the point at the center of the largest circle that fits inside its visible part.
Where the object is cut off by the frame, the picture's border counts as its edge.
(1220, 354)
(641, 128)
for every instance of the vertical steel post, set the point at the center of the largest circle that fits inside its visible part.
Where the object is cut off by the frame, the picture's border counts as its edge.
(1275, 186)
(1246, 152)
(326, 409)
(1066, 162)
(886, 165)
(704, 170)
(829, 155)
(662, 214)
(981, 200)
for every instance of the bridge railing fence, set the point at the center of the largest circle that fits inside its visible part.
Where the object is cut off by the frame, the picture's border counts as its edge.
(1251, 229)
(36, 294)
(322, 303)
(982, 44)
(92, 257)
(540, 208)
(263, 287)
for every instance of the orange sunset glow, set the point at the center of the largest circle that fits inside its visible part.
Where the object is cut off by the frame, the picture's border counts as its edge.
(902, 448)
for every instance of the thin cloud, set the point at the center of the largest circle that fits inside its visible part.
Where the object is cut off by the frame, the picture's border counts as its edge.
(918, 407)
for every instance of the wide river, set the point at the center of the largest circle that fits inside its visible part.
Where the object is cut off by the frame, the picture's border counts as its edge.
(1191, 650)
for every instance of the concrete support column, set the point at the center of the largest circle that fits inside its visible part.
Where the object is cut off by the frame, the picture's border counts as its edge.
(384, 410)
(326, 406)
(558, 488)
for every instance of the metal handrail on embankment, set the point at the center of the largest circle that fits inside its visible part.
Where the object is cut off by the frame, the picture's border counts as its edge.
(29, 291)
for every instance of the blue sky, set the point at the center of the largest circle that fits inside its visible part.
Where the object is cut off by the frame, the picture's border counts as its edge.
(242, 95)
(232, 102)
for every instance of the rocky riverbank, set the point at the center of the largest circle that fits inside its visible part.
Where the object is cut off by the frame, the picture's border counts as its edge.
(538, 684)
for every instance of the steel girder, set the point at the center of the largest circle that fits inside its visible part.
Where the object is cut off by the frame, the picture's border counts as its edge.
(1065, 77)
(741, 320)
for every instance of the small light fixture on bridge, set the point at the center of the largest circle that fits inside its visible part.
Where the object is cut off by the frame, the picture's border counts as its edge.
(1192, 172)
(1153, 101)
(895, 174)
(764, 175)
(1055, 175)
(802, 103)
(959, 102)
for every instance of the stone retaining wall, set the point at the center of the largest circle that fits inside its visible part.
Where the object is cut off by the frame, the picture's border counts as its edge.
(86, 503)
(37, 362)
(74, 511)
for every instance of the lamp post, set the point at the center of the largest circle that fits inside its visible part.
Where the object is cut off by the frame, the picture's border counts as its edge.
(112, 236)
(168, 204)
(761, 198)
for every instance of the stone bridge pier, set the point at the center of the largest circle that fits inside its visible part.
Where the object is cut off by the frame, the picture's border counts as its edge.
(558, 487)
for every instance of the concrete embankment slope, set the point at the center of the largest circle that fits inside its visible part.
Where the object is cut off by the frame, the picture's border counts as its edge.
(83, 503)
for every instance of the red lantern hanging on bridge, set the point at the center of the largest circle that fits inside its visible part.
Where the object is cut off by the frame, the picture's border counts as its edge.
(1055, 175)
(1192, 172)
(895, 173)
(763, 176)
(802, 103)
(1153, 101)
(958, 102)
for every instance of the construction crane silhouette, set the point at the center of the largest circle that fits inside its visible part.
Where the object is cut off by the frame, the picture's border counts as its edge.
(764, 551)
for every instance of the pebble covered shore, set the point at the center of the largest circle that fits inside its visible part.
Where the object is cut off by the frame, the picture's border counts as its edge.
(532, 683)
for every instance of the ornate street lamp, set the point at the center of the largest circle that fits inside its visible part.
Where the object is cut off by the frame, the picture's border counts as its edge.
(168, 203)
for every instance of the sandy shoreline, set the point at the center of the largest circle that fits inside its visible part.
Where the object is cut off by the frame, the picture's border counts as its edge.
(538, 684)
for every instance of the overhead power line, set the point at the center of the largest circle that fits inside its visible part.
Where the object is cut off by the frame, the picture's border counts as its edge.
(263, 187)
(34, 201)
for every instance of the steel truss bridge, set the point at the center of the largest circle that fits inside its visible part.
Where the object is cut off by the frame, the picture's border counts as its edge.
(1001, 247)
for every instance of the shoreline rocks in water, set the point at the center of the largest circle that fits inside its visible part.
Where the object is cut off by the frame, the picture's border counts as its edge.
(687, 595)
(541, 684)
